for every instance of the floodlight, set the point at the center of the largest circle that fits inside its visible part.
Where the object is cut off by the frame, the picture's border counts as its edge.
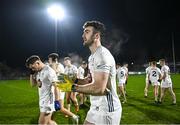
(56, 12)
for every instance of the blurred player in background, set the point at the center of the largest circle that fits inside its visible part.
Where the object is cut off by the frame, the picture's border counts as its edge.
(44, 79)
(125, 66)
(53, 60)
(166, 83)
(71, 70)
(154, 76)
(121, 78)
(81, 75)
(147, 81)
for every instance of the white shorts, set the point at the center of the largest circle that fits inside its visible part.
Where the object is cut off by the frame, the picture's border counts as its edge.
(47, 108)
(121, 82)
(99, 117)
(166, 84)
(155, 82)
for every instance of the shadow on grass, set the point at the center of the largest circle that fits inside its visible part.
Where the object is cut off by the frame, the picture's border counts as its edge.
(156, 112)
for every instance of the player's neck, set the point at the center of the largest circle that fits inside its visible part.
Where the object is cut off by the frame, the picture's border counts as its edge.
(42, 66)
(95, 46)
(69, 65)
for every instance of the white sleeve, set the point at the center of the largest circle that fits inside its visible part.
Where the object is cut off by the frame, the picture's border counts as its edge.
(52, 76)
(103, 63)
(61, 68)
(80, 73)
(75, 70)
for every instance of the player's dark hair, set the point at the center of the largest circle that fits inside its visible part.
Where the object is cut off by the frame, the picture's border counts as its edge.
(32, 59)
(67, 58)
(154, 62)
(83, 62)
(98, 27)
(163, 60)
(54, 56)
(119, 64)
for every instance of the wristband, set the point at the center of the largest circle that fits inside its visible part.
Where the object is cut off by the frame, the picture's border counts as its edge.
(73, 88)
(57, 105)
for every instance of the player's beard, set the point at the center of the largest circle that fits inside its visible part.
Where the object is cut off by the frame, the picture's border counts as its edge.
(89, 42)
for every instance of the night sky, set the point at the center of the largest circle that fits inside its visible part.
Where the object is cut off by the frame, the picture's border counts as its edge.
(137, 30)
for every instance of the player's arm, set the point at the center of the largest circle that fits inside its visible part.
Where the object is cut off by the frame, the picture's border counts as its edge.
(148, 75)
(57, 104)
(53, 78)
(32, 79)
(86, 80)
(96, 87)
(55, 67)
(126, 75)
(56, 91)
(164, 74)
(160, 76)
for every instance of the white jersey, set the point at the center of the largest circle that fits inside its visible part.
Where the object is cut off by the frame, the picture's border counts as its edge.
(46, 76)
(126, 69)
(60, 68)
(103, 61)
(147, 72)
(154, 74)
(71, 71)
(81, 72)
(167, 82)
(121, 75)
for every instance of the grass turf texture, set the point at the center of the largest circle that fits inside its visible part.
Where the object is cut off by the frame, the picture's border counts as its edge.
(19, 104)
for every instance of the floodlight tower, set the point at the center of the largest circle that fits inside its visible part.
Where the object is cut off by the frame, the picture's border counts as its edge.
(57, 13)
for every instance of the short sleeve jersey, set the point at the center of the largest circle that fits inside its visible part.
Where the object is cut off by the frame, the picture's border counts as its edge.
(103, 61)
(121, 74)
(71, 71)
(165, 70)
(81, 73)
(46, 76)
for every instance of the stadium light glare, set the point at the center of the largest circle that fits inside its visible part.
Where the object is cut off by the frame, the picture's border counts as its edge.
(56, 11)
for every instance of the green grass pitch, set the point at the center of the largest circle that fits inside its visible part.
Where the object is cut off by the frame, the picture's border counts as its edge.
(19, 104)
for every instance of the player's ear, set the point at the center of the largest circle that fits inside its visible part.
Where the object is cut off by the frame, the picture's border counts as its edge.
(38, 62)
(97, 35)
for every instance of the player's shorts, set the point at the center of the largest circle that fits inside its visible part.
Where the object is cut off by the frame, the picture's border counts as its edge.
(166, 84)
(121, 82)
(99, 117)
(155, 83)
(62, 95)
(47, 108)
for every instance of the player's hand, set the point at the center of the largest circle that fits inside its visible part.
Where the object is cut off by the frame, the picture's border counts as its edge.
(57, 105)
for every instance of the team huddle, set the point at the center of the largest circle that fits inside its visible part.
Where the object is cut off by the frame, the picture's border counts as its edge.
(157, 78)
